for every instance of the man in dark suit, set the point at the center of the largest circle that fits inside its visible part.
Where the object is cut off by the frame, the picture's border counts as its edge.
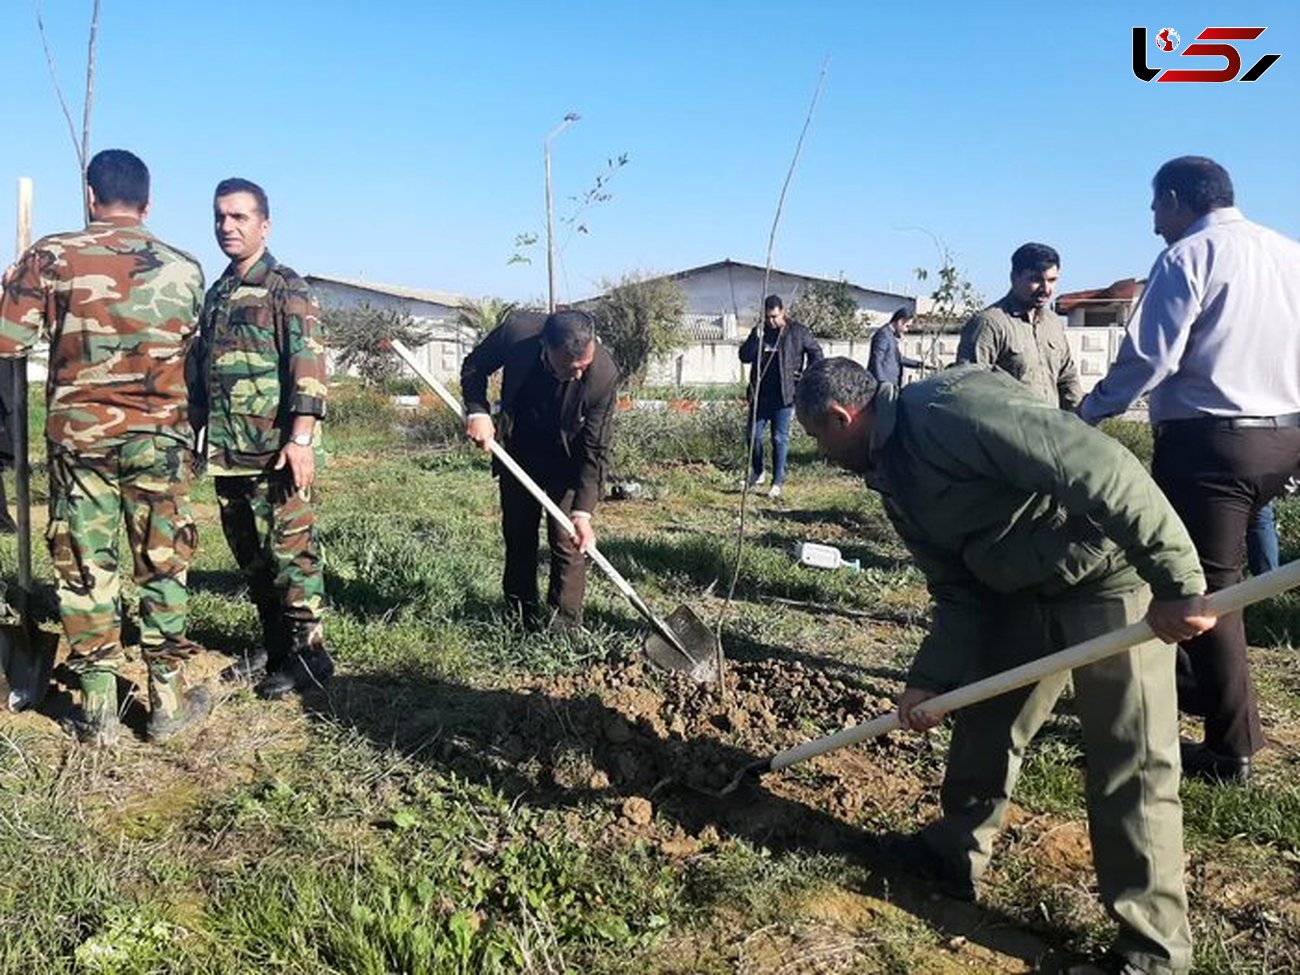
(558, 392)
(886, 360)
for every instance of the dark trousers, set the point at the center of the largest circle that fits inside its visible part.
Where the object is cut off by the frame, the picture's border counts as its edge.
(520, 514)
(1217, 479)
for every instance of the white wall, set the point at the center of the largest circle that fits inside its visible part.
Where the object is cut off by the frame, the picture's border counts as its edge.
(738, 290)
(718, 363)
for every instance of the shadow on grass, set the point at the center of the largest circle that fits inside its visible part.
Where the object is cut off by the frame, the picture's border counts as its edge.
(705, 560)
(550, 750)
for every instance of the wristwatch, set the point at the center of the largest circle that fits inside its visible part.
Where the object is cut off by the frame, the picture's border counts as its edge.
(301, 439)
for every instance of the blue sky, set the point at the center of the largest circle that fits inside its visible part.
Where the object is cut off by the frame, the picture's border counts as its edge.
(402, 141)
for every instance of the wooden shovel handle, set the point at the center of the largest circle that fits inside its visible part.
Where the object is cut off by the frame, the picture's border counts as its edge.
(1224, 601)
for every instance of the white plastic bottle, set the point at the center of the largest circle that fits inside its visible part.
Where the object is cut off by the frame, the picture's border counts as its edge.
(824, 557)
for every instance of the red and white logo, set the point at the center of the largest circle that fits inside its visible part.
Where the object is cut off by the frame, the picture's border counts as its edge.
(1168, 39)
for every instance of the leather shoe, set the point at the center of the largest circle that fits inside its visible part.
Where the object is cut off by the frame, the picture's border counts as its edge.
(247, 666)
(912, 853)
(1199, 762)
(310, 668)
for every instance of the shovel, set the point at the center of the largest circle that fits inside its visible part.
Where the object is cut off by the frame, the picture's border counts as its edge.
(1081, 654)
(683, 642)
(27, 653)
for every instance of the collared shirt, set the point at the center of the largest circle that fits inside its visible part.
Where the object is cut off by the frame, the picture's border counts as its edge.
(119, 307)
(997, 494)
(1217, 332)
(258, 362)
(1027, 343)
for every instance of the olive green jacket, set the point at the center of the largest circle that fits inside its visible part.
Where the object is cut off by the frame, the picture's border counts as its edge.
(997, 493)
(1035, 352)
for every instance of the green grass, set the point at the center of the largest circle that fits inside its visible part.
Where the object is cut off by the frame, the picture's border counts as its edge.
(387, 825)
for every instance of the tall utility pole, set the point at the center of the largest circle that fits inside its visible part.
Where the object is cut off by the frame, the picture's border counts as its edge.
(550, 212)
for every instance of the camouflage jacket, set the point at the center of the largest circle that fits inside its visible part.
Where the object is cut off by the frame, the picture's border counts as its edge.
(258, 361)
(119, 308)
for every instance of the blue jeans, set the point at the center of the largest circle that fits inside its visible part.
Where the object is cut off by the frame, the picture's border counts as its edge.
(780, 421)
(1261, 541)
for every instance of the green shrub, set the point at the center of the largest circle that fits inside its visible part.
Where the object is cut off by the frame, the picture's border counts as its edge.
(1137, 437)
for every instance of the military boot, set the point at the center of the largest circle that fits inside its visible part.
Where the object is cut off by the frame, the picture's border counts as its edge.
(277, 640)
(309, 665)
(95, 721)
(173, 706)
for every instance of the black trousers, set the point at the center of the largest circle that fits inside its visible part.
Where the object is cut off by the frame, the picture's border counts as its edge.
(520, 514)
(1216, 478)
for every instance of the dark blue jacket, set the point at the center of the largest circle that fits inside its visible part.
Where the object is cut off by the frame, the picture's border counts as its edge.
(887, 360)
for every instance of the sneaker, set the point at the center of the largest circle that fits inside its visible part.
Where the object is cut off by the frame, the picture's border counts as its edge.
(1199, 762)
(756, 479)
(775, 492)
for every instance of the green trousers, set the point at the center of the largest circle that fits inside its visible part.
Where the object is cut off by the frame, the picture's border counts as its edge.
(271, 529)
(144, 484)
(1127, 708)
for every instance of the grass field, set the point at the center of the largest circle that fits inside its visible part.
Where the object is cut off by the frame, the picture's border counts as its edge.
(466, 798)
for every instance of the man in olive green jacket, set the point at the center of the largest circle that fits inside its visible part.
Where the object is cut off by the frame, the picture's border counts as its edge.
(1021, 335)
(1035, 532)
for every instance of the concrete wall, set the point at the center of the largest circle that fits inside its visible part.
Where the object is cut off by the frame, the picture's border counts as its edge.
(718, 363)
(450, 344)
(738, 290)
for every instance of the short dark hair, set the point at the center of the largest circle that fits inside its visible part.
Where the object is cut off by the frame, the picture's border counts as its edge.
(772, 303)
(833, 380)
(119, 177)
(1200, 183)
(902, 315)
(1034, 257)
(237, 185)
(569, 331)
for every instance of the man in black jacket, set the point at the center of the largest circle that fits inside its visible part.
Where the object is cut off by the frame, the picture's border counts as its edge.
(777, 362)
(558, 391)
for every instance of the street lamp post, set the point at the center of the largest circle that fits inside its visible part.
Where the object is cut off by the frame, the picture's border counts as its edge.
(550, 212)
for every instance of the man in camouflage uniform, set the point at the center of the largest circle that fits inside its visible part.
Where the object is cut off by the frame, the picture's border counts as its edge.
(119, 308)
(257, 381)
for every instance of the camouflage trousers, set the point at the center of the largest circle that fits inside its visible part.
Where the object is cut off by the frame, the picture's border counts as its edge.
(271, 529)
(143, 483)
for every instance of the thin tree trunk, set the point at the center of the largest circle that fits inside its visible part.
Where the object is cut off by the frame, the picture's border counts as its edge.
(90, 99)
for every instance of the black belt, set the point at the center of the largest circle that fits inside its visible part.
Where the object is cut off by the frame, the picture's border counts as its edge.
(1235, 422)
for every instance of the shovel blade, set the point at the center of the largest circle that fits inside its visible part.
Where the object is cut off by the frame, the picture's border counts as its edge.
(27, 661)
(699, 661)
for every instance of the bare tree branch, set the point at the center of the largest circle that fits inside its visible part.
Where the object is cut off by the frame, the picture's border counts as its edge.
(58, 89)
(90, 99)
(753, 404)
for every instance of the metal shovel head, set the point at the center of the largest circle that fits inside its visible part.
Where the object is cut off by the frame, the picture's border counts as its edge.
(698, 654)
(27, 660)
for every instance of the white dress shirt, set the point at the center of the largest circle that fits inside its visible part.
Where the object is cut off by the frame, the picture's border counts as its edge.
(1217, 331)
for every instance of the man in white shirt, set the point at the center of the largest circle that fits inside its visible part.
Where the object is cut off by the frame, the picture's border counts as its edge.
(1216, 342)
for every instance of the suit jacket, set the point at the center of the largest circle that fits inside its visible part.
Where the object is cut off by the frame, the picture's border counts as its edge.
(886, 360)
(587, 405)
